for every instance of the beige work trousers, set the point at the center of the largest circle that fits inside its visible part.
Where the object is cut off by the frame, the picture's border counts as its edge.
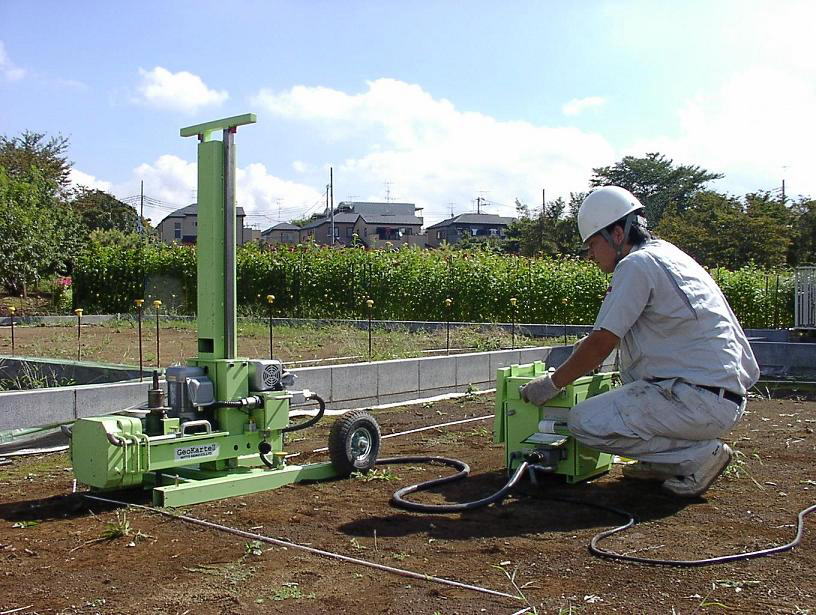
(667, 422)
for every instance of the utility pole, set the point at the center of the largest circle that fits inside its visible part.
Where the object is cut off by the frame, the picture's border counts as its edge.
(478, 204)
(141, 206)
(331, 189)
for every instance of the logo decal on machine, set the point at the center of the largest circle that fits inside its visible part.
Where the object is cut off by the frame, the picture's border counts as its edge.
(194, 452)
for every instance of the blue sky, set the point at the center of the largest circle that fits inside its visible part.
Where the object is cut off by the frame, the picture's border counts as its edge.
(435, 103)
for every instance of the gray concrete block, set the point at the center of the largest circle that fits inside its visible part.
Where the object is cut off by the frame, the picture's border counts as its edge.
(398, 397)
(528, 355)
(316, 379)
(96, 399)
(23, 409)
(435, 373)
(502, 358)
(400, 376)
(472, 368)
(353, 381)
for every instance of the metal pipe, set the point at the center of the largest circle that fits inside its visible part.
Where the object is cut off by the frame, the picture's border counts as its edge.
(229, 243)
(294, 545)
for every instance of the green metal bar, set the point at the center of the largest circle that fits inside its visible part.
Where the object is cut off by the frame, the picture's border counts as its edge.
(223, 124)
(238, 483)
(210, 247)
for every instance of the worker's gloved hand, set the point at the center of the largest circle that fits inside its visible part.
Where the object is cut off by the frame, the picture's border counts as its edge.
(539, 391)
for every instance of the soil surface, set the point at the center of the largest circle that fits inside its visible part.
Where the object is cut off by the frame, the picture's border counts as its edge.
(118, 342)
(54, 558)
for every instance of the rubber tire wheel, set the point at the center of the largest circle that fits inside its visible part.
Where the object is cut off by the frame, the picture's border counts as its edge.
(341, 441)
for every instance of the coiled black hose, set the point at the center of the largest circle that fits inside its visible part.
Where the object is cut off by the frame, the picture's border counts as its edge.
(312, 420)
(398, 499)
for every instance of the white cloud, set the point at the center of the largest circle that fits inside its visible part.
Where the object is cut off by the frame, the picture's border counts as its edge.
(578, 105)
(181, 91)
(172, 181)
(756, 123)
(434, 153)
(9, 70)
(78, 178)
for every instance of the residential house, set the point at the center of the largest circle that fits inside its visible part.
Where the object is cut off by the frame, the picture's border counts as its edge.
(282, 233)
(373, 224)
(182, 226)
(476, 225)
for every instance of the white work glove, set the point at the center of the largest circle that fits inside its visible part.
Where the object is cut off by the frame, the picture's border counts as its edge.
(539, 391)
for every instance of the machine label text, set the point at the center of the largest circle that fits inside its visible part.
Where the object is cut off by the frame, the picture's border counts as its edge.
(194, 452)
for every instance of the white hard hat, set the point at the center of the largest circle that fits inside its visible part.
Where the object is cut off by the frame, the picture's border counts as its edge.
(603, 207)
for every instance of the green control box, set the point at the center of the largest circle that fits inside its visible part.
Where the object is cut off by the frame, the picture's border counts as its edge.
(525, 428)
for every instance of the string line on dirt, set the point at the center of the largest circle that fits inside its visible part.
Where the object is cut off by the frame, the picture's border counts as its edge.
(284, 543)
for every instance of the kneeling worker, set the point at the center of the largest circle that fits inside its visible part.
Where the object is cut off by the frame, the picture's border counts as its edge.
(685, 363)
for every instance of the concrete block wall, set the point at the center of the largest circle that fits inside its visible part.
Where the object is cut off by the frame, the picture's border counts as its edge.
(341, 386)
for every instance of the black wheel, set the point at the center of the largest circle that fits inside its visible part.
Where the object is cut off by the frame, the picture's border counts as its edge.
(354, 442)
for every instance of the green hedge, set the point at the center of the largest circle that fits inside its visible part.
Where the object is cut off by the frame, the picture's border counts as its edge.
(408, 284)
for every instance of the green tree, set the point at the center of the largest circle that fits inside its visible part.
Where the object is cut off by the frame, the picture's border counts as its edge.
(40, 233)
(803, 247)
(552, 232)
(19, 155)
(656, 181)
(722, 231)
(100, 210)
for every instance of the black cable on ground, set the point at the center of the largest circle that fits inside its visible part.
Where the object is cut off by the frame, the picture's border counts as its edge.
(398, 500)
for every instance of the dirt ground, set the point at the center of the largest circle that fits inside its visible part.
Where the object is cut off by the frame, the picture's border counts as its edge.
(118, 342)
(54, 559)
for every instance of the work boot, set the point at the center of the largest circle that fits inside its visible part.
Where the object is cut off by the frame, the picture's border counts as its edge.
(696, 484)
(645, 470)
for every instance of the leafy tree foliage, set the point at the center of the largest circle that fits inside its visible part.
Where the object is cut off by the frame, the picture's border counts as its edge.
(40, 233)
(803, 247)
(554, 231)
(100, 210)
(722, 231)
(31, 150)
(656, 181)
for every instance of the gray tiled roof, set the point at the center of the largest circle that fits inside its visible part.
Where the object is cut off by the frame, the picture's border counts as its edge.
(373, 208)
(474, 219)
(338, 219)
(192, 210)
(393, 220)
(282, 226)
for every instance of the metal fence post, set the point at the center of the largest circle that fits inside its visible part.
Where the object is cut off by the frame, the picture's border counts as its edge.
(78, 313)
(139, 303)
(12, 309)
(157, 306)
(270, 299)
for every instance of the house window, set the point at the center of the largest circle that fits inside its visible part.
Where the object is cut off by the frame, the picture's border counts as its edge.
(176, 230)
(439, 234)
(348, 231)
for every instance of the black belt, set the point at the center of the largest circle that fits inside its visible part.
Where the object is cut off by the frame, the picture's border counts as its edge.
(737, 399)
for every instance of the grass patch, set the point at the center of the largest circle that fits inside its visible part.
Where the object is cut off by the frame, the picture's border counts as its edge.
(291, 591)
(375, 474)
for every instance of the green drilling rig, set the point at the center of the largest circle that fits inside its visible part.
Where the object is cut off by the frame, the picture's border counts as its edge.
(220, 429)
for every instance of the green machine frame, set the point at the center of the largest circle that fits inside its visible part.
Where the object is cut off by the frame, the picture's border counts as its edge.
(517, 423)
(201, 460)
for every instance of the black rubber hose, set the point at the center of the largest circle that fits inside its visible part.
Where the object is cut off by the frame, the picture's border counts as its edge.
(263, 450)
(398, 499)
(596, 550)
(312, 420)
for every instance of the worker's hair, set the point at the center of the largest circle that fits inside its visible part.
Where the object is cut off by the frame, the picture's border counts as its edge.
(638, 233)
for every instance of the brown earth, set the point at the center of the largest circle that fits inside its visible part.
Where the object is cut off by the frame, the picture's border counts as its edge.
(53, 558)
(118, 342)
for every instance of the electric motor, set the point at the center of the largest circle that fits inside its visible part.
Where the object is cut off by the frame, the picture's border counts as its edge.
(178, 395)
